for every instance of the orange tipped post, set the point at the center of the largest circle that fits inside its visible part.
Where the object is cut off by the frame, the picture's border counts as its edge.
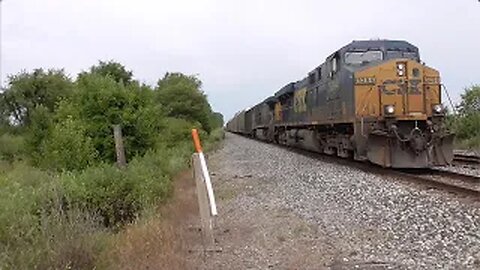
(196, 140)
(206, 175)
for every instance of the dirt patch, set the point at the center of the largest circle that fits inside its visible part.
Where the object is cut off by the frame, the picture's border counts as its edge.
(261, 235)
(169, 239)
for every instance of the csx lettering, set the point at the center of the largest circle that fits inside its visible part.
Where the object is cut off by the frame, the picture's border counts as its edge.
(401, 87)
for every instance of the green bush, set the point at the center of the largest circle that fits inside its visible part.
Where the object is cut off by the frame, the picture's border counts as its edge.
(24, 192)
(468, 126)
(25, 195)
(467, 123)
(170, 160)
(468, 143)
(175, 131)
(11, 147)
(117, 196)
(103, 191)
(68, 147)
(217, 135)
(100, 103)
(37, 133)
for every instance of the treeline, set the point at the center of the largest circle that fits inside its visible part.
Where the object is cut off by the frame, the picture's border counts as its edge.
(60, 192)
(466, 123)
(54, 112)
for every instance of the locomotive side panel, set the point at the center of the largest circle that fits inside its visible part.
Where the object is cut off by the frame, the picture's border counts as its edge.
(320, 117)
(262, 121)
(241, 123)
(324, 97)
(249, 115)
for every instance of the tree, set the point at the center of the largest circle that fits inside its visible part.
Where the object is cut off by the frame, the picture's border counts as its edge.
(68, 147)
(470, 101)
(217, 120)
(111, 69)
(38, 133)
(468, 121)
(100, 102)
(182, 97)
(25, 91)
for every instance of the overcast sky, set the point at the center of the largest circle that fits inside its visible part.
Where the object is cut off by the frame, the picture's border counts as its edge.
(244, 50)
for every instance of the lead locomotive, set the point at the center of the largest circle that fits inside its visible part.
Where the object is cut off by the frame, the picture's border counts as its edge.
(371, 100)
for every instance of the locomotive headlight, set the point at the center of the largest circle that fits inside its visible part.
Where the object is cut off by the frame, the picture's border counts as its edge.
(437, 109)
(389, 109)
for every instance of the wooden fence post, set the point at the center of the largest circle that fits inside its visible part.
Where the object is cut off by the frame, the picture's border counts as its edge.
(119, 148)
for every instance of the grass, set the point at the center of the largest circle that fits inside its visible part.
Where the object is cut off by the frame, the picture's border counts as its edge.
(35, 232)
(162, 238)
(11, 147)
(472, 143)
(149, 245)
(213, 141)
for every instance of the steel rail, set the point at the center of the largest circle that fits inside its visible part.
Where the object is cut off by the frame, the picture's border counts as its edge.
(424, 177)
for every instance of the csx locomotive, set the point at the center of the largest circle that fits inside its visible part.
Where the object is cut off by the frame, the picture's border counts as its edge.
(370, 100)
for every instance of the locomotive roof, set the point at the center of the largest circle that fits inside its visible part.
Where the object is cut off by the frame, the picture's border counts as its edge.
(289, 88)
(356, 45)
(384, 44)
(270, 100)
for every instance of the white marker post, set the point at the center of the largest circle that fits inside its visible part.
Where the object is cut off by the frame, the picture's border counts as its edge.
(206, 175)
(203, 183)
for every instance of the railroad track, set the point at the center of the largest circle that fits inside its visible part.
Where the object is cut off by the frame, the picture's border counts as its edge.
(444, 179)
(463, 157)
(440, 179)
(450, 181)
(462, 184)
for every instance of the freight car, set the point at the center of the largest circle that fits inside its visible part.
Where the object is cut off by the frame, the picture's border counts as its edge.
(370, 100)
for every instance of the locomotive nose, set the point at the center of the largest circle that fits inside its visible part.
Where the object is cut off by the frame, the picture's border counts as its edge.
(403, 88)
(406, 98)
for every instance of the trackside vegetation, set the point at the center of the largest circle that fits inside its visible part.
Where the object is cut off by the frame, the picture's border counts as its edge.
(61, 195)
(467, 123)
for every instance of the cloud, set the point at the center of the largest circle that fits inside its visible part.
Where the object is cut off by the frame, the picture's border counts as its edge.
(242, 50)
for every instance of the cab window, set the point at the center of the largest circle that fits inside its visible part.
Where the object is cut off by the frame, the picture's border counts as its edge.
(358, 58)
(311, 78)
(391, 54)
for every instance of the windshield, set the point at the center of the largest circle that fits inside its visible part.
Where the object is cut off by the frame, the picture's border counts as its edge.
(400, 54)
(356, 58)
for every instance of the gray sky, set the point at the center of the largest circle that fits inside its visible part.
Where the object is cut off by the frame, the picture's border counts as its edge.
(244, 50)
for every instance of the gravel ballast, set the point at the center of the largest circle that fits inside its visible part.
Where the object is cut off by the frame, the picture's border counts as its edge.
(279, 209)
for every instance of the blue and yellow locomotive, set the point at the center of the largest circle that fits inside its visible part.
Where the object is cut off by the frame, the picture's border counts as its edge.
(371, 100)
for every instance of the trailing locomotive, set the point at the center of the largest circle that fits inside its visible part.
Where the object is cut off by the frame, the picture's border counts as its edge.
(371, 100)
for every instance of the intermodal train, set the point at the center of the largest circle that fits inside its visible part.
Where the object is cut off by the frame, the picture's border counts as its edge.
(371, 100)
